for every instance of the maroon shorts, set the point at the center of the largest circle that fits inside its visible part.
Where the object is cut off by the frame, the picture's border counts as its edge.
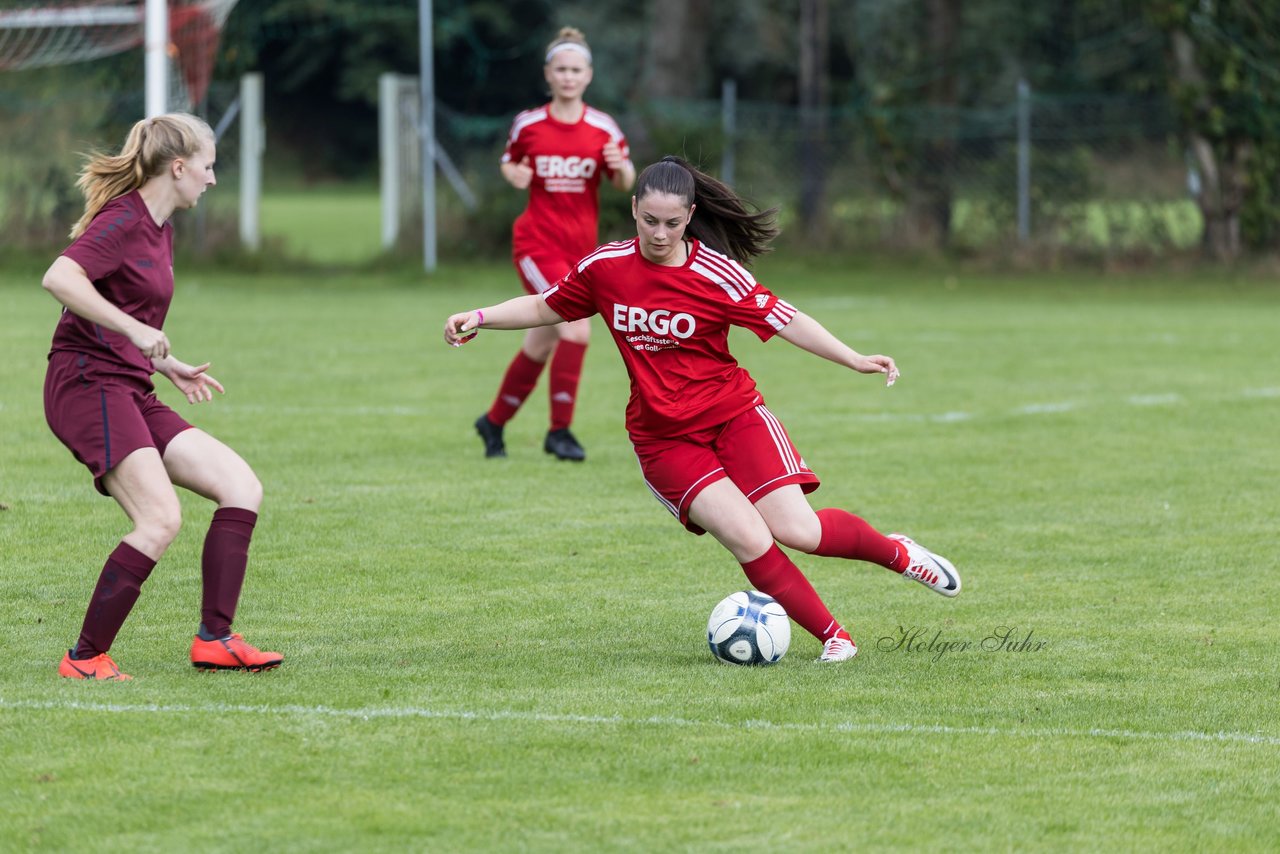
(752, 449)
(541, 271)
(102, 415)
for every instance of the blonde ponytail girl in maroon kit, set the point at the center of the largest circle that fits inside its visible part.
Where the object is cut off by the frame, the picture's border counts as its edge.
(115, 282)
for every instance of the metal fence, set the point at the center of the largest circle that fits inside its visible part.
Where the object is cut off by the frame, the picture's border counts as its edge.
(1094, 175)
(47, 126)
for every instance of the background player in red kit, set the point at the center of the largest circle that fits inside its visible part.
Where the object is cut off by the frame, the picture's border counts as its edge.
(559, 152)
(116, 281)
(708, 448)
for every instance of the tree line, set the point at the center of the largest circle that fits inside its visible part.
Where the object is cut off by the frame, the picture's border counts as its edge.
(1217, 62)
(909, 66)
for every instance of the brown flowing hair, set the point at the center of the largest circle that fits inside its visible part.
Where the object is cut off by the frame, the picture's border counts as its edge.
(724, 221)
(152, 144)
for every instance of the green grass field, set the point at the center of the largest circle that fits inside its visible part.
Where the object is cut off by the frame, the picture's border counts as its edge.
(510, 655)
(326, 225)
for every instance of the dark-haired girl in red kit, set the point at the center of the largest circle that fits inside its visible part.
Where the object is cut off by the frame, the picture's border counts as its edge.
(709, 449)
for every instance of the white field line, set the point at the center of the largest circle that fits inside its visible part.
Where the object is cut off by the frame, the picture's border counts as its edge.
(1155, 400)
(953, 417)
(376, 713)
(1045, 408)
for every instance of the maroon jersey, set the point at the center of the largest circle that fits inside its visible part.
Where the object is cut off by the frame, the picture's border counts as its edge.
(129, 259)
(568, 163)
(671, 325)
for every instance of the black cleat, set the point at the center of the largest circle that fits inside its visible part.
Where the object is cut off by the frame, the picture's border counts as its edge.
(492, 435)
(562, 443)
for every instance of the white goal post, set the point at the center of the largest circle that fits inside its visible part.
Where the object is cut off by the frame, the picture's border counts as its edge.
(179, 38)
(400, 156)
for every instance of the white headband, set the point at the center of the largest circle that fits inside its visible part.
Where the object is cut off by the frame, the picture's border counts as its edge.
(580, 48)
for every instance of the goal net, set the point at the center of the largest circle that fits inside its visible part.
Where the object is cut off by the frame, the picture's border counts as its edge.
(35, 34)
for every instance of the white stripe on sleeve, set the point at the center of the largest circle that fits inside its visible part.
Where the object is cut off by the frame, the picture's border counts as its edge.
(609, 250)
(781, 314)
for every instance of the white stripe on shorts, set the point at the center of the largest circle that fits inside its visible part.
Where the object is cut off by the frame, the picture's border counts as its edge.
(785, 453)
(533, 274)
(694, 485)
(671, 508)
(764, 487)
(674, 509)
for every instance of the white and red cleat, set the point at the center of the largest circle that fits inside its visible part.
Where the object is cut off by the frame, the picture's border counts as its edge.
(932, 570)
(838, 649)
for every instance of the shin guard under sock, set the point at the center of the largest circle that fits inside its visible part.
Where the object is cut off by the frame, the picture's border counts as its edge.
(117, 590)
(848, 536)
(566, 373)
(775, 574)
(222, 567)
(521, 376)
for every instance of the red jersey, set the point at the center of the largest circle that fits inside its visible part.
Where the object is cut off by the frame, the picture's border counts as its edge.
(568, 163)
(671, 325)
(129, 259)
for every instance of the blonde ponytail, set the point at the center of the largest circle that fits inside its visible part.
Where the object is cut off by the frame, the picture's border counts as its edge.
(152, 144)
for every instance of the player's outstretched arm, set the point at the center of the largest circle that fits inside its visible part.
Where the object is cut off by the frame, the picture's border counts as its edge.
(808, 334)
(519, 313)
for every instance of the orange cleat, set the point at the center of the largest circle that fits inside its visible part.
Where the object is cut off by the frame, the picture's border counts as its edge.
(231, 654)
(99, 667)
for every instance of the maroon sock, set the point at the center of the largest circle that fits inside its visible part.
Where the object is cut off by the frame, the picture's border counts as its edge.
(222, 566)
(566, 372)
(774, 573)
(521, 376)
(849, 536)
(118, 587)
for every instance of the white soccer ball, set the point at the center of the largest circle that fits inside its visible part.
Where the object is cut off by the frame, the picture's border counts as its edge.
(748, 627)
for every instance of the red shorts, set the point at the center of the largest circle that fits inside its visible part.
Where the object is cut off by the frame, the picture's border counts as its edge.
(104, 416)
(539, 272)
(752, 449)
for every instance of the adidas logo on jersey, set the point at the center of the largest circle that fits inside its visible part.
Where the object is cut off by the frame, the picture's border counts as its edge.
(762, 300)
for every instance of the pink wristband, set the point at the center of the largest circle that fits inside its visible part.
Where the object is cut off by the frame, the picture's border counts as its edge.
(480, 322)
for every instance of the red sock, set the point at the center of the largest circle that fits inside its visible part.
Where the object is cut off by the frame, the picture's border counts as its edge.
(118, 587)
(222, 567)
(566, 371)
(849, 536)
(522, 375)
(774, 573)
